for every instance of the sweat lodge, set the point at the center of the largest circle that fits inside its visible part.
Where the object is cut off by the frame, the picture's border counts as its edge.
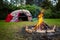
(19, 15)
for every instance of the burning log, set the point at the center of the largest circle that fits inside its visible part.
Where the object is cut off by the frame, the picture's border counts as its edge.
(41, 26)
(40, 31)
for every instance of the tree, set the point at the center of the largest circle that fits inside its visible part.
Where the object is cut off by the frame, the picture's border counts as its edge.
(45, 4)
(1, 4)
(29, 2)
(58, 6)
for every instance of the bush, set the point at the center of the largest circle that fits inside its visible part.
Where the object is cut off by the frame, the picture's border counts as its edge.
(32, 8)
(56, 14)
(49, 13)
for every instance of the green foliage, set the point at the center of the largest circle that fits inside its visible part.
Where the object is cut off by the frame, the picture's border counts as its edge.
(49, 13)
(56, 14)
(9, 8)
(31, 8)
(5, 10)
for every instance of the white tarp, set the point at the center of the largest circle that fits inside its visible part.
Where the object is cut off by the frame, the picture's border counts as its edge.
(15, 14)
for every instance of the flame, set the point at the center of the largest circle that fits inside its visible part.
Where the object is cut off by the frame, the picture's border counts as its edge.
(40, 20)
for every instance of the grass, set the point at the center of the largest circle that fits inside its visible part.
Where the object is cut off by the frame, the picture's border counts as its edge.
(8, 30)
(53, 21)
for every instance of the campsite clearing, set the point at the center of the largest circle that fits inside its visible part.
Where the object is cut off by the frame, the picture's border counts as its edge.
(8, 30)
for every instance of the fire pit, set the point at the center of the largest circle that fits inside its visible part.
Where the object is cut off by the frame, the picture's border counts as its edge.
(41, 26)
(40, 31)
(41, 35)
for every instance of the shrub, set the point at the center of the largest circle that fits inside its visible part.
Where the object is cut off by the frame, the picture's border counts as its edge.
(48, 13)
(32, 8)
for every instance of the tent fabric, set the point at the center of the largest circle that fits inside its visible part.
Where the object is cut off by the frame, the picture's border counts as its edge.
(13, 16)
(14, 13)
(9, 17)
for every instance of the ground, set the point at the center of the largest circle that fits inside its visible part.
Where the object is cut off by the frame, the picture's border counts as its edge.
(8, 30)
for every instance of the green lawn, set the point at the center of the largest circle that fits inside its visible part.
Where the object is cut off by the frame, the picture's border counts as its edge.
(53, 21)
(7, 30)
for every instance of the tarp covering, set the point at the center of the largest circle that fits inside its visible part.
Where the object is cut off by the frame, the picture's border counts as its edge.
(13, 16)
(9, 18)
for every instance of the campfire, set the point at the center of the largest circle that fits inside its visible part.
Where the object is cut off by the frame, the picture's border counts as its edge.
(40, 31)
(41, 26)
